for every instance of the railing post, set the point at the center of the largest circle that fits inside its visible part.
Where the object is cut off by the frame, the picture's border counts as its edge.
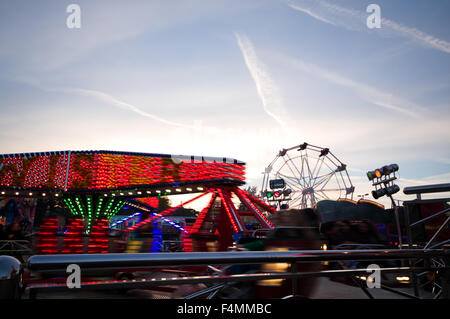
(445, 280)
(294, 269)
(415, 282)
(397, 221)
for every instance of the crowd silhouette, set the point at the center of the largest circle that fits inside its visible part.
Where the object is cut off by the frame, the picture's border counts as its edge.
(347, 232)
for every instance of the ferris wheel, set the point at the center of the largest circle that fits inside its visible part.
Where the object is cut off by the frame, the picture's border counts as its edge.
(302, 175)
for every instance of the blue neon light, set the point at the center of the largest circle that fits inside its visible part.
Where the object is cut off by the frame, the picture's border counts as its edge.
(157, 237)
(125, 219)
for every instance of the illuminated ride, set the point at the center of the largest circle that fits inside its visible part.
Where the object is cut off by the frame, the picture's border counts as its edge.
(302, 175)
(95, 185)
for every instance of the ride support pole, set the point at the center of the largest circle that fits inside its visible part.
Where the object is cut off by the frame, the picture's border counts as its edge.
(397, 221)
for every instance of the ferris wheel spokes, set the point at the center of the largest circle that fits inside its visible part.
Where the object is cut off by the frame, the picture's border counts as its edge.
(312, 174)
(287, 163)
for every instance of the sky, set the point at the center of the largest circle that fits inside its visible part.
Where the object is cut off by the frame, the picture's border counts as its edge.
(239, 79)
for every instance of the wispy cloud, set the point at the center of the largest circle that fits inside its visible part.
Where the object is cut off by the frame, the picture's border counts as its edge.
(310, 12)
(115, 101)
(268, 91)
(103, 97)
(39, 41)
(356, 21)
(367, 92)
(434, 179)
(417, 35)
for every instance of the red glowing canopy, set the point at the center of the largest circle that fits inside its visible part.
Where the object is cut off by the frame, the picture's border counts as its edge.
(108, 171)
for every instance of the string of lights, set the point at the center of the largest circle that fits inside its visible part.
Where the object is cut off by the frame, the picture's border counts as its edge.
(106, 170)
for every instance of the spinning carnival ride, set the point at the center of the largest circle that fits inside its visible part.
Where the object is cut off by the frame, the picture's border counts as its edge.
(95, 185)
(302, 175)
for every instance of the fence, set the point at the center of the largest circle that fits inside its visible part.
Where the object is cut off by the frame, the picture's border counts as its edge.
(438, 208)
(15, 247)
(55, 265)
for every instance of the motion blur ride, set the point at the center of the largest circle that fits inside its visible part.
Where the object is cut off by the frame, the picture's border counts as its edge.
(94, 186)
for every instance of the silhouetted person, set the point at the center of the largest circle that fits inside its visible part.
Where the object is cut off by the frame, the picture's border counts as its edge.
(14, 232)
(331, 230)
(347, 232)
(2, 232)
(367, 233)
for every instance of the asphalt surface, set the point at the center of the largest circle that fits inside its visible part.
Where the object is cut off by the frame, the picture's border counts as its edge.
(325, 289)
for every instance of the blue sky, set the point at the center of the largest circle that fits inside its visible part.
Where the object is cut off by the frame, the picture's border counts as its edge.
(232, 78)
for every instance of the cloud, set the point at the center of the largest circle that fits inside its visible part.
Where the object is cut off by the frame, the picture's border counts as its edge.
(417, 35)
(39, 40)
(311, 13)
(112, 100)
(267, 90)
(429, 180)
(370, 94)
(101, 96)
(356, 21)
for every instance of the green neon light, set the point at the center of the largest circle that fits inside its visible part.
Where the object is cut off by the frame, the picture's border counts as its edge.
(80, 206)
(89, 208)
(89, 214)
(99, 207)
(108, 207)
(116, 209)
(71, 206)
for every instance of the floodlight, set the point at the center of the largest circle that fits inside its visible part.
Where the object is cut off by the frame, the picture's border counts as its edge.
(389, 169)
(378, 193)
(392, 189)
(384, 171)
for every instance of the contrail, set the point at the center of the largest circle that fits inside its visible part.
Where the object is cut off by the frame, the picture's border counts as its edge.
(265, 86)
(112, 100)
(101, 96)
(417, 35)
(356, 20)
(311, 13)
(368, 93)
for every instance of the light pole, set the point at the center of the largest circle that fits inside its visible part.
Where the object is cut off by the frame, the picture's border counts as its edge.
(383, 181)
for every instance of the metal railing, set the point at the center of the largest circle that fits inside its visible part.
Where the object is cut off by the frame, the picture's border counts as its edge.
(57, 264)
(18, 247)
(429, 243)
(426, 189)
